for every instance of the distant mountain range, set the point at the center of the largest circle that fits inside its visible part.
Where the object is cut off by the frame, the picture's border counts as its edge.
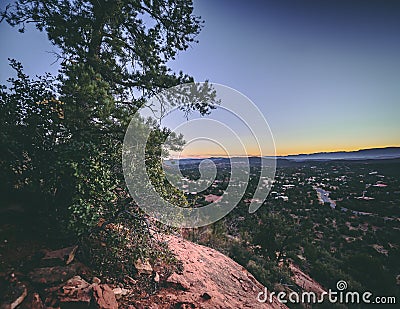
(363, 154)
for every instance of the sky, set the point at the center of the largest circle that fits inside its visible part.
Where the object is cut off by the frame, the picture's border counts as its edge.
(325, 74)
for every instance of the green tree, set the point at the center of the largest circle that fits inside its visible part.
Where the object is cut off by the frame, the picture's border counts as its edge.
(127, 42)
(31, 120)
(277, 236)
(114, 56)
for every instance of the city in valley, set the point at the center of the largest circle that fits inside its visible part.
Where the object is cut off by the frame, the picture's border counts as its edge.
(335, 219)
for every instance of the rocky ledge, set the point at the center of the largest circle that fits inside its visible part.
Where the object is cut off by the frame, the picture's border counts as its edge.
(208, 279)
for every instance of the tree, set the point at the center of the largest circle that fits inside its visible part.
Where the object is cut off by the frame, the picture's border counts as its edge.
(277, 236)
(114, 56)
(31, 120)
(127, 42)
(114, 53)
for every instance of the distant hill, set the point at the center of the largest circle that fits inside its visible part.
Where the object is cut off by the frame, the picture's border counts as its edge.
(218, 161)
(363, 154)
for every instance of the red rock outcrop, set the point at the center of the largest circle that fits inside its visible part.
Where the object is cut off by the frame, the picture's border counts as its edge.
(209, 280)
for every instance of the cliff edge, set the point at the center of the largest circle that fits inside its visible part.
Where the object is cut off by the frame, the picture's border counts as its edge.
(209, 280)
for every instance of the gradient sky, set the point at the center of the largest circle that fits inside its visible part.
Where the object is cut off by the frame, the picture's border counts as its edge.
(325, 74)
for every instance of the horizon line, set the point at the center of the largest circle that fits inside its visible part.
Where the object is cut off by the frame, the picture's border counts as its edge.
(278, 155)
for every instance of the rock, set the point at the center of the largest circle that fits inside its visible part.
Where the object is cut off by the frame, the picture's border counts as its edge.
(157, 278)
(76, 291)
(104, 297)
(208, 280)
(96, 280)
(178, 281)
(143, 267)
(129, 280)
(119, 292)
(65, 255)
(19, 299)
(56, 274)
(14, 296)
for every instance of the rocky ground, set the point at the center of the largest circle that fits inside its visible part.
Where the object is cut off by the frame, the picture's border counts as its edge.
(36, 273)
(39, 270)
(209, 279)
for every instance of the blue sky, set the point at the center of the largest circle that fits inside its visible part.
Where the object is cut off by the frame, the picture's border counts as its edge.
(325, 74)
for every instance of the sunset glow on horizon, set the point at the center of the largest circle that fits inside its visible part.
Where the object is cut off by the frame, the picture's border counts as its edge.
(206, 154)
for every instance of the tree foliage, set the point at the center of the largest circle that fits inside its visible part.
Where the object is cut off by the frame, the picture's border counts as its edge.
(63, 136)
(277, 236)
(127, 42)
(31, 126)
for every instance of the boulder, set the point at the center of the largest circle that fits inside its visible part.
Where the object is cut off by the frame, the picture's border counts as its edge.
(208, 280)
(65, 255)
(104, 297)
(75, 291)
(56, 274)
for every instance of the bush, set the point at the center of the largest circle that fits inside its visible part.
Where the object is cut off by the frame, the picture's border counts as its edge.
(76, 167)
